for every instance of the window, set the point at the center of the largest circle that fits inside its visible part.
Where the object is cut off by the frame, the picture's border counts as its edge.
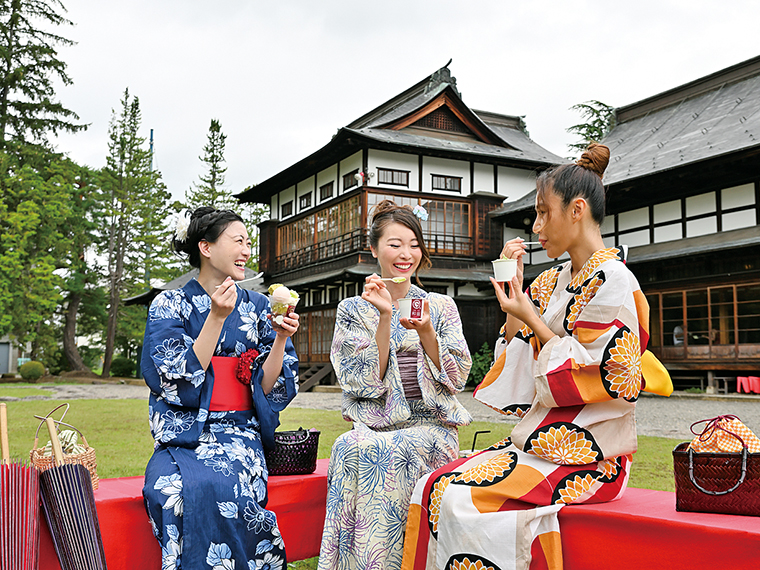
(394, 177)
(304, 202)
(334, 294)
(448, 183)
(287, 209)
(328, 223)
(349, 180)
(325, 191)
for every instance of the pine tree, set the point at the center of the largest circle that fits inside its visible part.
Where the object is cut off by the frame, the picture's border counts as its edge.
(211, 191)
(599, 121)
(136, 205)
(28, 65)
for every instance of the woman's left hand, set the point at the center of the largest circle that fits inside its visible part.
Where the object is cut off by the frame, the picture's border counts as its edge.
(289, 324)
(517, 303)
(423, 325)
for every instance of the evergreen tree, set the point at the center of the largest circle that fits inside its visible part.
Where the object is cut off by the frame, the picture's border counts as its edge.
(28, 65)
(136, 205)
(599, 121)
(211, 190)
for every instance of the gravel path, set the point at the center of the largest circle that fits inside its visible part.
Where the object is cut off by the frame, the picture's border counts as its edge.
(656, 416)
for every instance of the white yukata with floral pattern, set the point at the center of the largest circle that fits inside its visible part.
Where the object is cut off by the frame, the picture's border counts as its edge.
(206, 483)
(374, 467)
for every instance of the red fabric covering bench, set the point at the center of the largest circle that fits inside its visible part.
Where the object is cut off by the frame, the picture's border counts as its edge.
(298, 500)
(644, 530)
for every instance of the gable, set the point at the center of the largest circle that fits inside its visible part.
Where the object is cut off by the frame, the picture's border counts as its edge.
(442, 119)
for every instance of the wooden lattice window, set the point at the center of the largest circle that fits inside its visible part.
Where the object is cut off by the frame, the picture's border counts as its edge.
(349, 180)
(304, 202)
(286, 209)
(326, 191)
(393, 177)
(442, 119)
(448, 183)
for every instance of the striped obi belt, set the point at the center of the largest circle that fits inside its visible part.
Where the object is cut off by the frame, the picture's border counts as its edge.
(229, 394)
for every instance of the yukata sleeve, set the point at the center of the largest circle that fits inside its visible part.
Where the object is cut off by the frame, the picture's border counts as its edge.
(354, 353)
(600, 357)
(453, 353)
(286, 385)
(170, 366)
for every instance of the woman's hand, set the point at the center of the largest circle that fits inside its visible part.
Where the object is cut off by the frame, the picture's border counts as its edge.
(514, 249)
(289, 324)
(376, 292)
(517, 303)
(423, 325)
(223, 300)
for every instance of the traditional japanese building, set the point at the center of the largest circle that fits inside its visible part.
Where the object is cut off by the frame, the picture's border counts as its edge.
(684, 194)
(424, 146)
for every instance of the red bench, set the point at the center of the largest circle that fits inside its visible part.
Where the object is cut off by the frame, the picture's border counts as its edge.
(641, 530)
(129, 544)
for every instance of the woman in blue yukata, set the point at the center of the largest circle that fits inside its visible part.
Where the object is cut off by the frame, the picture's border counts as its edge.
(219, 373)
(399, 378)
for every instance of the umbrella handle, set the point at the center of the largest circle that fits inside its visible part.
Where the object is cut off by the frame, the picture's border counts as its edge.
(57, 450)
(4, 433)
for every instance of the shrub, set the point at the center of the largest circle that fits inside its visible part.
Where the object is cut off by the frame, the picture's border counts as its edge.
(32, 370)
(123, 367)
(481, 364)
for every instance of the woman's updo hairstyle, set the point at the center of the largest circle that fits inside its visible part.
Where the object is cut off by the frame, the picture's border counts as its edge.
(205, 224)
(388, 212)
(583, 178)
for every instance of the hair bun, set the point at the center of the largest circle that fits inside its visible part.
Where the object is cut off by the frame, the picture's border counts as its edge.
(595, 158)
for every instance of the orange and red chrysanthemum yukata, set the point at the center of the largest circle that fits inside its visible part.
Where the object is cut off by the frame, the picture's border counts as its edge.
(576, 398)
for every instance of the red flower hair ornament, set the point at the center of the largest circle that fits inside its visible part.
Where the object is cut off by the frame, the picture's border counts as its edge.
(245, 365)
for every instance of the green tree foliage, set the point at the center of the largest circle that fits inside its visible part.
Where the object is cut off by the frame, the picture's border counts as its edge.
(599, 119)
(28, 66)
(211, 190)
(136, 205)
(481, 364)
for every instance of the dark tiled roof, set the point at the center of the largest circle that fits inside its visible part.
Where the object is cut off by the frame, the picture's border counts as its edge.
(707, 118)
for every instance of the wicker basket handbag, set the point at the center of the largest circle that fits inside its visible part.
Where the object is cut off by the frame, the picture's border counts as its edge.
(294, 453)
(86, 458)
(717, 481)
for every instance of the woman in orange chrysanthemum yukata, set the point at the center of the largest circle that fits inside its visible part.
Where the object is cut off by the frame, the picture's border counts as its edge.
(569, 364)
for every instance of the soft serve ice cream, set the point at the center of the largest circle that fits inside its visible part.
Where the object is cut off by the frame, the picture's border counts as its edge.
(282, 300)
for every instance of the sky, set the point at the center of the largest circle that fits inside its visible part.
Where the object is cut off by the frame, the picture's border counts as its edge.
(283, 76)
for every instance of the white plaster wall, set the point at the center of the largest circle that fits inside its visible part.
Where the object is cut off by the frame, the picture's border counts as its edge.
(394, 161)
(667, 212)
(353, 162)
(608, 225)
(633, 219)
(274, 212)
(700, 204)
(736, 220)
(286, 196)
(327, 175)
(609, 241)
(701, 227)
(514, 183)
(668, 233)
(470, 290)
(633, 239)
(305, 187)
(483, 177)
(445, 167)
(737, 196)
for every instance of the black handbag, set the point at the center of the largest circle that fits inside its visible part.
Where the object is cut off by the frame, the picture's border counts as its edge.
(294, 453)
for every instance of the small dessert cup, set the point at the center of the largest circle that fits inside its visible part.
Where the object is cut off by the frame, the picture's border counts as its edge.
(504, 269)
(410, 308)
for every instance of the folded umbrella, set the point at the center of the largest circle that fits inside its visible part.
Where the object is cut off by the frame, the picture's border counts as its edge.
(68, 502)
(19, 508)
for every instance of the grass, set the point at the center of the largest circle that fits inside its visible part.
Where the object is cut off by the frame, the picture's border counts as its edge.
(118, 430)
(22, 392)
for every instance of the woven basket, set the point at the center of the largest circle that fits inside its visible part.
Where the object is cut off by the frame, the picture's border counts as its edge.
(294, 453)
(87, 458)
(727, 483)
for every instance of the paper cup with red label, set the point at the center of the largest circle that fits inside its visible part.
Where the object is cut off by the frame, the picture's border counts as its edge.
(504, 269)
(410, 308)
(283, 301)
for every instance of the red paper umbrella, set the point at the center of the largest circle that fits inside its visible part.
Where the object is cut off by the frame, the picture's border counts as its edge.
(19, 508)
(69, 505)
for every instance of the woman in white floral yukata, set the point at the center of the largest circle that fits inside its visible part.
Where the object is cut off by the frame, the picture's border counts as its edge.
(399, 378)
(219, 374)
(569, 364)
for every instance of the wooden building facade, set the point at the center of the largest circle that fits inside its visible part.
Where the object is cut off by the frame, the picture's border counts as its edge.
(424, 146)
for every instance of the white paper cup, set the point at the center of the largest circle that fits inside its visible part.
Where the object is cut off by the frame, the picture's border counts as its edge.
(504, 269)
(410, 308)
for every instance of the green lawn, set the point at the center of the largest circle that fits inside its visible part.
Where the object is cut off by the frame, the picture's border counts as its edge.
(118, 430)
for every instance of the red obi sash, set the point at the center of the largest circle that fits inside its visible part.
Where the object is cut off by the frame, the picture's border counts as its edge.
(229, 394)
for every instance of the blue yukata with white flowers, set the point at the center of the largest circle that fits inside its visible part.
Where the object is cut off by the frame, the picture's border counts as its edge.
(206, 483)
